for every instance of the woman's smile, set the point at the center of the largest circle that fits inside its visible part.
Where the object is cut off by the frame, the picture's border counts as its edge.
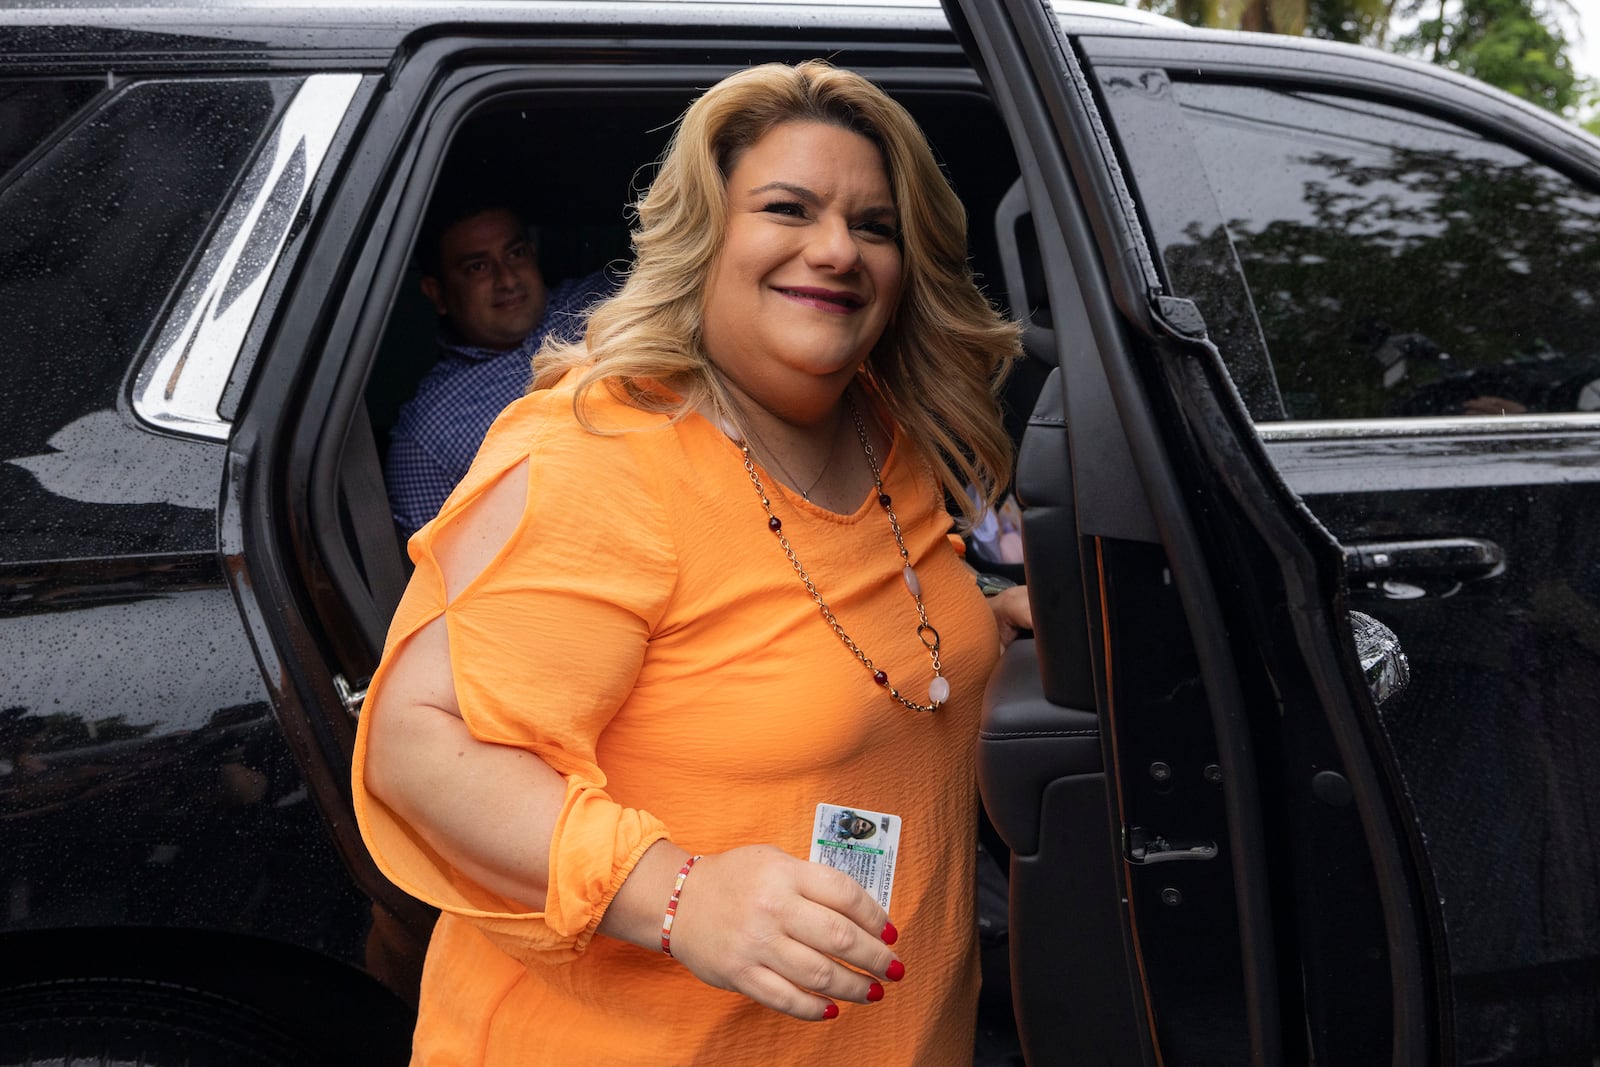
(829, 300)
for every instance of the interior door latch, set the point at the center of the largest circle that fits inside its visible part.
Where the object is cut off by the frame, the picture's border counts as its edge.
(1146, 847)
(351, 697)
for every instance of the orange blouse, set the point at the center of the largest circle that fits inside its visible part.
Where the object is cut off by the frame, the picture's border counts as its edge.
(643, 633)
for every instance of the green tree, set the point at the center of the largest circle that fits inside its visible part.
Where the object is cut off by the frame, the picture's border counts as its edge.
(1591, 110)
(1516, 45)
(1353, 21)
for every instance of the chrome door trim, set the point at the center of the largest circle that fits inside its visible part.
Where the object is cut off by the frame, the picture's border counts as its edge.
(1433, 425)
(180, 386)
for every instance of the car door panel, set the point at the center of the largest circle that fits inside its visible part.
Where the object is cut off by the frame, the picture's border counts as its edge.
(1225, 642)
(1495, 756)
(1084, 363)
(1464, 535)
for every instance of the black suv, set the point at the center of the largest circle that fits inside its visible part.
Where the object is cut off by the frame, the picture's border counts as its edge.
(1312, 351)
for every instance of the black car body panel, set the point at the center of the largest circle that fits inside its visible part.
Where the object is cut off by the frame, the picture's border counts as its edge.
(1223, 848)
(1508, 934)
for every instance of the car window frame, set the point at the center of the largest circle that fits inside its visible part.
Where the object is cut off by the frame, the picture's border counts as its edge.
(1196, 443)
(311, 605)
(1332, 458)
(1393, 82)
(181, 383)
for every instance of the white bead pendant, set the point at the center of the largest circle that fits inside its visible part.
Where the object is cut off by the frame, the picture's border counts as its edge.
(911, 581)
(938, 690)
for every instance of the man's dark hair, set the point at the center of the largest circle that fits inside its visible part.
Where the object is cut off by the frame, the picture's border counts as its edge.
(453, 204)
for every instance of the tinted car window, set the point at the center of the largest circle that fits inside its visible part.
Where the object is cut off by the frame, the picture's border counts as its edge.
(31, 111)
(96, 231)
(1402, 265)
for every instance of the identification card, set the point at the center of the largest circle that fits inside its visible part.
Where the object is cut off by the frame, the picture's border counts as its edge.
(863, 844)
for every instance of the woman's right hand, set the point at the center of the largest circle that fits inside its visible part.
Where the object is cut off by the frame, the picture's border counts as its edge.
(789, 934)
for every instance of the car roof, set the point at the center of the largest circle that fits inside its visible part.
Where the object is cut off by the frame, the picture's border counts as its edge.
(90, 37)
(41, 27)
(418, 12)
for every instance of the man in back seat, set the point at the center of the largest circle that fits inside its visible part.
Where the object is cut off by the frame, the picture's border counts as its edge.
(481, 273)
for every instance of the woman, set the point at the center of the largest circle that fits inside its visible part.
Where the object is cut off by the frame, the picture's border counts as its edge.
(697, 584)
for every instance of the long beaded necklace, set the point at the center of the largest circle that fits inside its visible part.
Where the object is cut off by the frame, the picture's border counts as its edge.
(939, 689)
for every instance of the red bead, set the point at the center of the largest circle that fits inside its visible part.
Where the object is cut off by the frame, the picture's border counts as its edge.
(883, 498)
(774, 524)
(880, 677)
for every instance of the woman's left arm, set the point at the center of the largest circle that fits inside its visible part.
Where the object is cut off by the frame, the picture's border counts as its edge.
(1012, 613)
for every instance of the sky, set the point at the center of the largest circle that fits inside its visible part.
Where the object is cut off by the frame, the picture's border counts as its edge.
(1582, 26)
(1584, 33)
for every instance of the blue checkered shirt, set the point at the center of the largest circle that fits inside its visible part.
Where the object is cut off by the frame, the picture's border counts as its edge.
(438, 430)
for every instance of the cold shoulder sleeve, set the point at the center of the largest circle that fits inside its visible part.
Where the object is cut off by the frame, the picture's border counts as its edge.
(545, 646)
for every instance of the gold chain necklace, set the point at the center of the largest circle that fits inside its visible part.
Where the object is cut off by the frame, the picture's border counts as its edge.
(939, 689)
(805, 494)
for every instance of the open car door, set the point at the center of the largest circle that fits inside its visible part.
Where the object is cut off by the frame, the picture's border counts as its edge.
(1210, 857)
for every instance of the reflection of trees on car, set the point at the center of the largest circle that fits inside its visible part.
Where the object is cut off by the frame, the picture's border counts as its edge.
(1415, 275)
(25, 740)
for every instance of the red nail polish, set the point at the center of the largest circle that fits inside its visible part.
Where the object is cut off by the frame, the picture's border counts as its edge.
(874, 992)
(896, 971)
(831, 1011)
(890, 934)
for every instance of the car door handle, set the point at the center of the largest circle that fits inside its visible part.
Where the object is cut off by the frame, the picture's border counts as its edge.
(1461, 558)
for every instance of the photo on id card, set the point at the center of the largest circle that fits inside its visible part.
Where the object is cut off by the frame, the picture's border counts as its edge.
(863, 844)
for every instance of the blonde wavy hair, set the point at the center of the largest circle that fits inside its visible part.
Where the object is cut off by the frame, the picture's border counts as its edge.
(943, 355)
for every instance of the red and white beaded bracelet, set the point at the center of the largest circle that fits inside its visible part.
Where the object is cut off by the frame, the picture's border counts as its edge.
(672, 904)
